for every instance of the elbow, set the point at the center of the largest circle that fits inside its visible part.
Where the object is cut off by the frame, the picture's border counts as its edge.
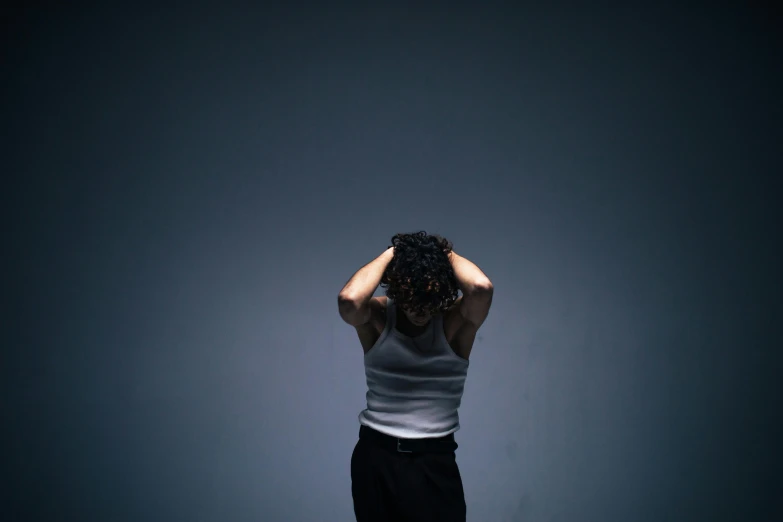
(483, 287)
(347, 302)
(344, 298)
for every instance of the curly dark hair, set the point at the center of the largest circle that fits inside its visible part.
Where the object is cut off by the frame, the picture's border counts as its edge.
(420, 275)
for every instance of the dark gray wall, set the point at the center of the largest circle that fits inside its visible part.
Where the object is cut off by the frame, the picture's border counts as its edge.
(186, 193)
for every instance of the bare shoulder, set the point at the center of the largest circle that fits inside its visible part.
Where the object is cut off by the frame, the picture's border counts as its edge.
(379, 307)
(462, 321)
(370, 332)
(452, 319)
(378, 314)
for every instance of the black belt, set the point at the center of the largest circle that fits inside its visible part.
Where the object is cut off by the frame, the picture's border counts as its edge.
(445, 444)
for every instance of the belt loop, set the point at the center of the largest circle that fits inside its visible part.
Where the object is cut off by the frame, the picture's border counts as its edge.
(400, 449)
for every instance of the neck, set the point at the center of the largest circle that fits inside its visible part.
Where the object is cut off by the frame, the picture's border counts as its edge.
(404, 323)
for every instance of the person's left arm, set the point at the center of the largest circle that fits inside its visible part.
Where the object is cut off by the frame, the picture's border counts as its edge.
(469, 277)
(476, 289)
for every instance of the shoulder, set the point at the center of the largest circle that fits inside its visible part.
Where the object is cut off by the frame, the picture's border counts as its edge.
(381, 303)
(459, 329)
(452, 318)
(370, 331)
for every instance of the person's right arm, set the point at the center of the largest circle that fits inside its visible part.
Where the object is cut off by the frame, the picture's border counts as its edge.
(353, 301)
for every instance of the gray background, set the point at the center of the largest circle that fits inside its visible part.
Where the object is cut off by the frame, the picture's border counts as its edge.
(187, 192)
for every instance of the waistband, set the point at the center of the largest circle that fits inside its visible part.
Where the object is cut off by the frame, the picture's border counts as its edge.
(445, 444)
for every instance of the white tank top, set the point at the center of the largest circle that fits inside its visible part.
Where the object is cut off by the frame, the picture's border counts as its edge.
(414, 384)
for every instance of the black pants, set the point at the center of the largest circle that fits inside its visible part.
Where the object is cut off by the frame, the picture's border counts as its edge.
(396, 480)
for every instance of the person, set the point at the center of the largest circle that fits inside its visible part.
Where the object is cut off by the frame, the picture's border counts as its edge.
(417, 341)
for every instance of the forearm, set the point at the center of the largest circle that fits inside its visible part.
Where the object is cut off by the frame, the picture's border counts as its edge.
(362, 285)
(470, 278)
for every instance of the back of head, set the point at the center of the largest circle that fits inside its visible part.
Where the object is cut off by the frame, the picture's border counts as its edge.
(420, 275)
